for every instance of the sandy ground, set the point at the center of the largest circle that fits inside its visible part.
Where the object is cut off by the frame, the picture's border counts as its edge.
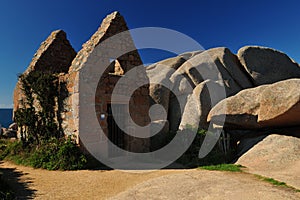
(83, 184)
(208, 185)
(161, 184)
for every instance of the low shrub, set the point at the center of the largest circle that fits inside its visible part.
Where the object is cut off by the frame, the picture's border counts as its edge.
(58, 155)
(53, 154)
(10, 148)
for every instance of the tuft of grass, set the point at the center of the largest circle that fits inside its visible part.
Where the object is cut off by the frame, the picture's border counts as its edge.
(224, 167)
(276, 182)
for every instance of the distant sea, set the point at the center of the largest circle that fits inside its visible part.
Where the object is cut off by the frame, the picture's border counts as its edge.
(6, 117)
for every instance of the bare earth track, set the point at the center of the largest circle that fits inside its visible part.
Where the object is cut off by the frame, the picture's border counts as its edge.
(161, 184)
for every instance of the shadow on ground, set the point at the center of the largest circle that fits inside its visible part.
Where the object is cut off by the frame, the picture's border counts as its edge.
(20, 188)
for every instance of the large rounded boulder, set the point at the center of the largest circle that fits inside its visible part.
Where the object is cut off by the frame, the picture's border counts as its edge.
(274, 105)
(266, 65)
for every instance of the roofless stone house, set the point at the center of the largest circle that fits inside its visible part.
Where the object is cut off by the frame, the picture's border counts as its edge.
(91, 76)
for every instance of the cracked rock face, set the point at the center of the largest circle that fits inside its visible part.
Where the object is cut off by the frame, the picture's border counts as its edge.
(253, 66)
(187, 76)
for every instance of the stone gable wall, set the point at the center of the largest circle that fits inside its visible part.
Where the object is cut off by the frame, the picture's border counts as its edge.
(114, 71)
(54, 55)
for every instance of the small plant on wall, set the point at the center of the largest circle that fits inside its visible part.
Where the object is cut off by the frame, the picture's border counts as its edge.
(43, 143)
(38, 119)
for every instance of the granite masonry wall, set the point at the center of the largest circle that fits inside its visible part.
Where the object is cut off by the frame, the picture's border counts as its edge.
(56, 55)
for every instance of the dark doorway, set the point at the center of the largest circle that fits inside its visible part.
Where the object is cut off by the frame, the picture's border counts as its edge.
(115, 134)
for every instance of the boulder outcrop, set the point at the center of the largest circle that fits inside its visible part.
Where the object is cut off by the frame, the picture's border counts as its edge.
(160, 93)
(160, 73)
(275, 156)
(275, 105)
(266, 65)
(218, 66)
(199, 104)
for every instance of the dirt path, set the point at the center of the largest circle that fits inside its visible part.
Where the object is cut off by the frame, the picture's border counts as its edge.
(84, 184)
(162, 184)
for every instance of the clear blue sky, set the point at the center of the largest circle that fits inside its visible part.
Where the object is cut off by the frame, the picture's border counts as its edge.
(25, 24)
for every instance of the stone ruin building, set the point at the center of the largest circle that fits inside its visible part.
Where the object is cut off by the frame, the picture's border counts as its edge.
(56, 56)
(92, 75)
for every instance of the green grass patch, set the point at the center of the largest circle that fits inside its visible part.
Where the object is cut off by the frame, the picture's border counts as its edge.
(224, 167)
(276, 182)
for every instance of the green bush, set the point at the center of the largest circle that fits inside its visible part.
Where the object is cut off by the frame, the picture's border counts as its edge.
(9, 148)
(42, 138)
(53, 154)
(41, 91)
(58, 155)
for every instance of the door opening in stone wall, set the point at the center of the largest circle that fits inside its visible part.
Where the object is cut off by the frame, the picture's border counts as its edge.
(115, 134)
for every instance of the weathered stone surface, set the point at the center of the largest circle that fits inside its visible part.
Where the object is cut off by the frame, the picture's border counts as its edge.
(175, 62)
(111, 25)
(246, 143)
(53, 56)
(188, 55)
(216, 64)
(267, 65)
(10, 134)
(276, 156)
(241, 110)
(92, 79)
(160, 73)
(190, 74)
(183, 80)
(83, 104)
(199, 104)
(280, 103)
(13, 126)
(274, 105)
(17, 97)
